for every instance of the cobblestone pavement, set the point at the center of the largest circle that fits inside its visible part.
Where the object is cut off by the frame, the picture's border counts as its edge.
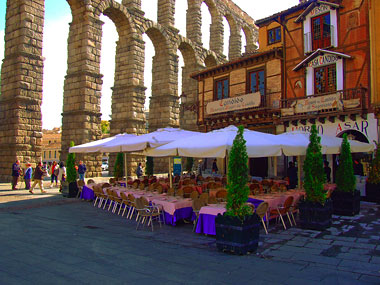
(51, 239)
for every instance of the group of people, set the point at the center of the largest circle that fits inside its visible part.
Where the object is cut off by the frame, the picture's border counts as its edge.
(57, 173)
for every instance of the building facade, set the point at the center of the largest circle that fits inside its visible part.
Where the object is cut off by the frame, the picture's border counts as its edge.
(51, 145)
(313, 66)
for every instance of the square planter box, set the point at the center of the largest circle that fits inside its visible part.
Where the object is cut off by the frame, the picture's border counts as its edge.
(372, 192)
(346, 203)
(314, 216)
(236, 236)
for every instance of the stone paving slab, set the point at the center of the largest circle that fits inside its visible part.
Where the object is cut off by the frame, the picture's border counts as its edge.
(51, 239)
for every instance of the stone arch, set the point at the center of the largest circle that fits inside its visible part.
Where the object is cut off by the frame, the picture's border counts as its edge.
(250, 45)
(164, 102)
(234, 47)
(210, 60)
(83, 83)
(188, 118)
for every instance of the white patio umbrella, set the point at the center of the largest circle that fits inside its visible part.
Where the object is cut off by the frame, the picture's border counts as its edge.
(98, 145)
(153, 139)
(295, 144)
(219, 142)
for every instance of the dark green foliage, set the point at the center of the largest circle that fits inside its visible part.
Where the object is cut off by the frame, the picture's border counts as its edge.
(374, 173)
(345, 178)
(189, 164)
(119, 166)
(70, 166)
(313, 169)
(149, 165)
(237, 178)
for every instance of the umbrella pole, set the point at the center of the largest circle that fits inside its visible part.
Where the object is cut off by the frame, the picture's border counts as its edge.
(275, 166)
(299, 171)
(170, 173)
(125, 166)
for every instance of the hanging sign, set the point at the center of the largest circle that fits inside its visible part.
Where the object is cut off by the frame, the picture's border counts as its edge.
(318, 103)
(323, 60)
(177, 166)
(236, 103)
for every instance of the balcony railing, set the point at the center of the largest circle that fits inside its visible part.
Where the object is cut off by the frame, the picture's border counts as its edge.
(267, 102)
(342, 100)
(324, 42)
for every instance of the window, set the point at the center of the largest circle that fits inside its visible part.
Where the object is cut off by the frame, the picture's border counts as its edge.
(55, 154)
(325, 79)
(321, 31)
(256, 81)
(49, 154)
(44, 154)
(274, 35)
(221, 89)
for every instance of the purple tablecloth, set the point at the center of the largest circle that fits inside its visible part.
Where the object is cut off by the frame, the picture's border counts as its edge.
(206, 223)
(180, 214)
(87, 193)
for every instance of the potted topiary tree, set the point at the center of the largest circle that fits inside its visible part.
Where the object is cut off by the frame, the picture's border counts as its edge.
(149, 166)
(119, 166)
(237, 230)
(315, 209)
(71, 177)
(345, 199)
(372, 186)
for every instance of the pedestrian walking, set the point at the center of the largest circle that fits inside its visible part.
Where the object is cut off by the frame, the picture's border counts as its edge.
(28, 175)
(139, 171)
(54, 169)
(81, 170)
(214, 167)
(16, 171)
(38, 174)
(61, 174)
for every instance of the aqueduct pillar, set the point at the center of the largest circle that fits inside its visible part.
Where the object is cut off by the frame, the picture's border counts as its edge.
(21, 85)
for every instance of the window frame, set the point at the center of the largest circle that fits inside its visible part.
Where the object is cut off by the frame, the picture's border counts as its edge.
(326, 78)
(274, 30)
(323, 42)
(216, 88)
(248, 86)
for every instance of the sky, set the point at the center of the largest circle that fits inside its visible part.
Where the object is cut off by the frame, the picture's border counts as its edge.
(57, 19)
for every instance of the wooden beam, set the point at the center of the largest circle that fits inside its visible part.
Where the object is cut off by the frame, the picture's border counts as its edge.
(332, 119)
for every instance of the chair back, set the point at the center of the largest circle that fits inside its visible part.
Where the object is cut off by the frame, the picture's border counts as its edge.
(180, 192)
(131, 198)
(212, 200)
(142, 186)
(187, 181)
(81, 183)
(171, 191)
(288, 202)
(197, 205)
(204, 197)
(194, 195)
(112, 181)
(222, 194)
(144, 201)
(90, 181)
(252, 207)
(262, 209)
(224, 181)
(159, 188)
(106, 185)
(123, 196)
(152, 187)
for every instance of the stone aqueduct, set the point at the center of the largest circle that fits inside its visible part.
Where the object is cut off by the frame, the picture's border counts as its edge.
(22, 71)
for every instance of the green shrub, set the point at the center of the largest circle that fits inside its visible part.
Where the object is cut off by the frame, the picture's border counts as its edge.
(374, 172)
(345, 178)
(315, 176)
(119, 166)
(237, 189)
(70, 166)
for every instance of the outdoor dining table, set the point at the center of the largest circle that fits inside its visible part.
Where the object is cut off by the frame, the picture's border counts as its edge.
(175, 208)
(207, 215)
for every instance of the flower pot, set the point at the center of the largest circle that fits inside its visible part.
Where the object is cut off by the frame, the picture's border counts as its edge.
(73, 189)
(346, 203)
(372, 192)
(314, 216)
(236, 236)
